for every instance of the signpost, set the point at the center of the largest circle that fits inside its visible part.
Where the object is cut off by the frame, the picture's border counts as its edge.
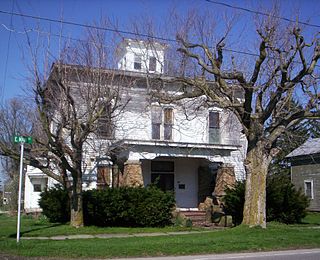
(22, 140)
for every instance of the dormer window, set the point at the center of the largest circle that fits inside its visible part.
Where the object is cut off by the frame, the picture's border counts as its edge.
(152, 64)
(137, 65)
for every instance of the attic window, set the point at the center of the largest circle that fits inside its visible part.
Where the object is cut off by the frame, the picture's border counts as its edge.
(137, 65)
(152, 64)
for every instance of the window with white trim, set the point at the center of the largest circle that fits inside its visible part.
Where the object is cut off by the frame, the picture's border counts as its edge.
(308, 188)
(214, 127)
(104, 123)
(152, 64)
(137, 65)
(162, 123)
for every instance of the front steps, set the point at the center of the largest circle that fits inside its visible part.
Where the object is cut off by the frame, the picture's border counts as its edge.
(198, 217)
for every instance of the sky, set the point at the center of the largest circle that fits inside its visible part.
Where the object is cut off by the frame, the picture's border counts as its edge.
(14, 53)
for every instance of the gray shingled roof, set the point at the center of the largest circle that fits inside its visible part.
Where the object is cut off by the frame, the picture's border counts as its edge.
(311, 146)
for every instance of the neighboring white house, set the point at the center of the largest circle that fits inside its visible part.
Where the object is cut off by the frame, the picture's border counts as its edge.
(179, 146)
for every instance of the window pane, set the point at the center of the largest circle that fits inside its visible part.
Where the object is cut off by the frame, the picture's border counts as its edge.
(162, 166)
(168, 116)
(163, 181)
(137, 62)
(152, 64)
(214, 135)
(37, 187)
(155, 131)
(104, 124)
(156, 115)
(308, 189)
(214, 120)
(167, 132)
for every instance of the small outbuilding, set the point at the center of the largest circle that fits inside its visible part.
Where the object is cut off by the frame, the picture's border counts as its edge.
(305, 171)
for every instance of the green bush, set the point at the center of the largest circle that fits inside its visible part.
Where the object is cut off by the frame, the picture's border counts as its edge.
(127, 206)
(55, 204)
(283, 202)
(234, 202)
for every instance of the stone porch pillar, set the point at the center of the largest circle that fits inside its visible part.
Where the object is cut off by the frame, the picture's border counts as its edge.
(225, 179)
(132, 174)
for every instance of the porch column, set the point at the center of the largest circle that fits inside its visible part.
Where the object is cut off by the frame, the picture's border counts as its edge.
(132, 174)
(225, 179)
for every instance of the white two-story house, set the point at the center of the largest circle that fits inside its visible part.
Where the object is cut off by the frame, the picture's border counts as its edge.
(180, 146)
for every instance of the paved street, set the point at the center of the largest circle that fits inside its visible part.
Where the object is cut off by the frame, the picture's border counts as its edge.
(305, 254)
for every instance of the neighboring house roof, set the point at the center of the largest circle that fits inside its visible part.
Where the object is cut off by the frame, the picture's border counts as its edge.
(311, 146)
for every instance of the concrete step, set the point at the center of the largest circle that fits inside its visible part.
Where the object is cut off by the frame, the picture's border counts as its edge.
(198, 217)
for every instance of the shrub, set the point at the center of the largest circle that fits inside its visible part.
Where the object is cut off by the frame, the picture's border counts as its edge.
(234, 202)
(55, 204)
(128, 206)
(283, 202)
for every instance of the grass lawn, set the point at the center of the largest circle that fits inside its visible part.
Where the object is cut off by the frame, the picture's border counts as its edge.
(276, 236)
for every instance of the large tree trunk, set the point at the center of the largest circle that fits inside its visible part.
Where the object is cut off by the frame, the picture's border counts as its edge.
(76, 202)
(254, 212)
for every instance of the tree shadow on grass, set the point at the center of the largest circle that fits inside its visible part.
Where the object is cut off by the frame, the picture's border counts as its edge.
(35, 229)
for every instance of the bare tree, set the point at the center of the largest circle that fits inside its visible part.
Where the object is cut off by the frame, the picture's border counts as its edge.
(284, 70)
(15, 119)
(76, 103)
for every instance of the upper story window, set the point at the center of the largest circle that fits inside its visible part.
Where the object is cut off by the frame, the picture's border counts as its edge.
(137, 65)
(162, 123)
(308, 188)
(214, 127)
(152, 64)
(104, 124)
(167, 123)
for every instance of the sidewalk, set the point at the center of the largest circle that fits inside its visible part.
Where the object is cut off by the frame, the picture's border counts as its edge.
(85, 236)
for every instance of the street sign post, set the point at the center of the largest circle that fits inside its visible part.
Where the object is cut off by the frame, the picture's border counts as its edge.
(22, 140)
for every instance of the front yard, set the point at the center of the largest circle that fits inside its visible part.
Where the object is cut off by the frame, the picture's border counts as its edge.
(239, 239)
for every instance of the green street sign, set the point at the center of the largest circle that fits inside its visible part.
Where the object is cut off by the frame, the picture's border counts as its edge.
(22, 139)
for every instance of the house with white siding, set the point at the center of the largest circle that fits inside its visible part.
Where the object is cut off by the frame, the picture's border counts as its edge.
(181, 146)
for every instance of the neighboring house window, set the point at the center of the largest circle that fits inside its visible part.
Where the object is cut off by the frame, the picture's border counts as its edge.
(104, 124)
(162, 123)
(162, 174)
(308, 188)
(137, 65)
(168, 123)
(214, 127)
(152, 64)
(37, 187)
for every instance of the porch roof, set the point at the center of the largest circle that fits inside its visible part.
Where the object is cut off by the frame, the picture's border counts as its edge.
(161, 143)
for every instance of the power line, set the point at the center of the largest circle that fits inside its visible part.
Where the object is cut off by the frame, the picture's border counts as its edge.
(112, 30)
(87, 26)
(261, 13)
(7, 59)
